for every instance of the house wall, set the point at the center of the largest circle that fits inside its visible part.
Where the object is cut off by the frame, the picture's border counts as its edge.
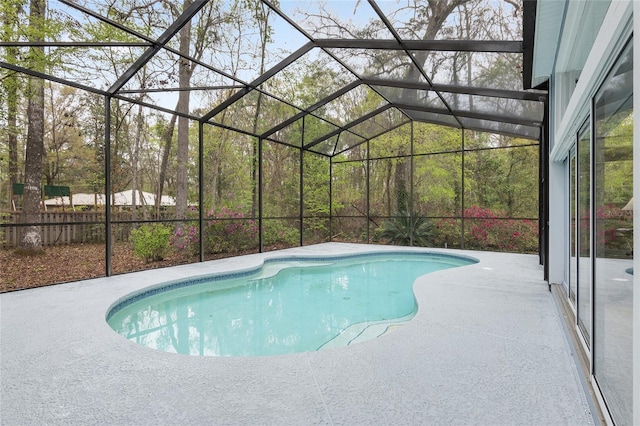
(636, 220)
(571, 94)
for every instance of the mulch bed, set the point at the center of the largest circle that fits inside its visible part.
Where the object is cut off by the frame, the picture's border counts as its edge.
(60, 264)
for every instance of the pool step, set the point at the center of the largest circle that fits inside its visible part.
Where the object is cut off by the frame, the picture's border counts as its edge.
(269, 270)
(364, 331)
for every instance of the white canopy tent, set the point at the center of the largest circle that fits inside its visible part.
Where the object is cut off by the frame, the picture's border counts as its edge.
(123, 198)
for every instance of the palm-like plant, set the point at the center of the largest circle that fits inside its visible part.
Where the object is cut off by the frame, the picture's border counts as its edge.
(399, 231)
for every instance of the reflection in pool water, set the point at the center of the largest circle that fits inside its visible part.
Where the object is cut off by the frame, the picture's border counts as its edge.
(285, 307)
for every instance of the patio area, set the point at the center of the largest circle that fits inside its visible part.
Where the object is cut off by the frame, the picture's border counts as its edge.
(487, 346)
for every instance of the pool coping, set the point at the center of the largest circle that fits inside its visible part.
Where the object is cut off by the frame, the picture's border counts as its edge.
(485, 347)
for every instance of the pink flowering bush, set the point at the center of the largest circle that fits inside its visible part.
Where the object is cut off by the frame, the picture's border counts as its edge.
(229, 231)
(484, 230)
(185, 238)
(226, 231)
(610, 234)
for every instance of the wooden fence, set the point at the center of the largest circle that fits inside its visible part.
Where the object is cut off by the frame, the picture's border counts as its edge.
(60, 228)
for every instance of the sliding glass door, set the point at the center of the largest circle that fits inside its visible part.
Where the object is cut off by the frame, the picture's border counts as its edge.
(613, 273)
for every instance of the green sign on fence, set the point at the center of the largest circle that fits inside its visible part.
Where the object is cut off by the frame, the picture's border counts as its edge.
(18, 188)
(56, 191)
(49, 190)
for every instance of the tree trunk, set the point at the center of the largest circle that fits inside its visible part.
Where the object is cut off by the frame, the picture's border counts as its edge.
(12, 128)
(387, 186)
(438, 12)
(134, 164)
(254, 165)
(184, 81)
(402, 200)
(202, 40)
(262, 15)
(167, 137)
(31, 239)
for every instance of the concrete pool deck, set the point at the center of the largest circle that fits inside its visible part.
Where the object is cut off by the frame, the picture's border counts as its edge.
(487, 346)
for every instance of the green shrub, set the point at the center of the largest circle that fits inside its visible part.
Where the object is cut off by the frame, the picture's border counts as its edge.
(151, 241)
(402, 230)
(277, 233)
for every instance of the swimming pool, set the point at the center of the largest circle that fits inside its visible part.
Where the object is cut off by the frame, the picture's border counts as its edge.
(287, 305)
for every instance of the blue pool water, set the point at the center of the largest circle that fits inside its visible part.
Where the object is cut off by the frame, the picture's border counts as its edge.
(283, 307)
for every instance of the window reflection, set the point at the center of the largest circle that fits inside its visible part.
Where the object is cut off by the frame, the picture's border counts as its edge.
(573, 242)
(613, 280)
(584, 234)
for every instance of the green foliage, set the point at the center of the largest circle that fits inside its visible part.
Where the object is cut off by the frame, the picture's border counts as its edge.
(431, 138)
(316, 198)
(502, 179)
(316, 185)
(402, 197)
(316, 230)
(438, 184)
(151, 241)
(401, 230)
(227, 169)
(348, 188)
(448, 233)
(281, 180)
(278, 233)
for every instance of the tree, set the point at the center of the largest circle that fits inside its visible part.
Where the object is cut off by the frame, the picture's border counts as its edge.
(315, 194)
(31, 239)
(437, 189)
(66, 156)
(193, 41)
(261, 14)
(166, 137)
(11, 85)
(185, 71)
(92, 127)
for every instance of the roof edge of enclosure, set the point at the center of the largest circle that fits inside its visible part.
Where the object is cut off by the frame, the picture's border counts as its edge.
(391, 63)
